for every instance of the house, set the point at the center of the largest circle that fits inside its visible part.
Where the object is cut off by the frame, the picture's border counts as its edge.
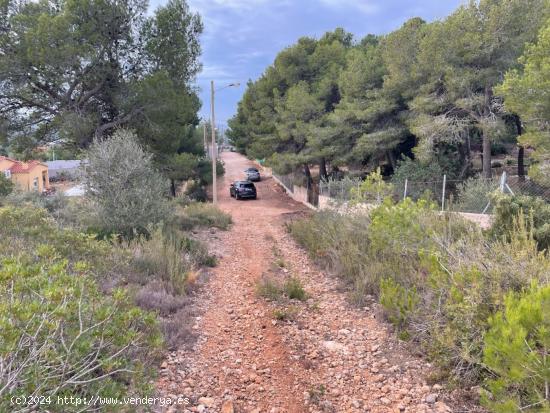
(27, 176)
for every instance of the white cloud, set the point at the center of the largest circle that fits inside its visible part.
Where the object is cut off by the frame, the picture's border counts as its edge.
(204, 6)
(215, 72)
(365, 6)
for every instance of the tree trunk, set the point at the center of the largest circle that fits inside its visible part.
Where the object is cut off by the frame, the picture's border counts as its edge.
(487, 139)
(521, 151)
(173, 187)
(390, 156)
(464, 154)
(323, 168)
(307, 173)
(486, 156)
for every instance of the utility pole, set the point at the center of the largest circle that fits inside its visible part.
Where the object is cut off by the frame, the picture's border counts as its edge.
(214, 177)
(214, 146)
(205, 144)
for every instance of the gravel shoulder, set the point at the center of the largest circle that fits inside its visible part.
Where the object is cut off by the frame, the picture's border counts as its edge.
(328, 357)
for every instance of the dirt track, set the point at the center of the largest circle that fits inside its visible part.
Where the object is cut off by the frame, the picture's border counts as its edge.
(331, 357)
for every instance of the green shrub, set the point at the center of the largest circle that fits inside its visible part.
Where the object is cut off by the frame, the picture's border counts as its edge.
(416, 171)
(517, 350)
(84, 343)
(198, 253)
(196, 192)
(182, 200)
(199, 214)
(508, 209)
(437, 276)
(161, 257)
(269, 288)
(52, 203)
(372, 190)
(274, 289)
(127, 194)
(461, 284)
(294, 289)
(23, 229)
(6, 185)
(285, 314)
(338, 242)
(399, 303)
(474, 195)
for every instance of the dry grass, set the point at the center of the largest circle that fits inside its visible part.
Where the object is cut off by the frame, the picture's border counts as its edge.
(200, 214)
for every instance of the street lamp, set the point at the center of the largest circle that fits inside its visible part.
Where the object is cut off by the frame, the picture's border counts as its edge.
(214, 147)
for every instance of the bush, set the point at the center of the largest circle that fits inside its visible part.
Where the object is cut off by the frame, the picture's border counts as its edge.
(399, 303)
(84, 343)
(205, 215)
(154, 297)
(6, 185)
(161, 257)
(372, 190)
(474, 195)
(340, 243)
(196, 192)
(177, 330)
(508, 209)
(416, 171)
(197, 253)
(126, 192)
(294, 289)
(273, 289)
(438, 277)
(52, 203)
(517, 346)
(269, 288)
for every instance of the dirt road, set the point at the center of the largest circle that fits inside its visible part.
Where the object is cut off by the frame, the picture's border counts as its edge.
(330, 357)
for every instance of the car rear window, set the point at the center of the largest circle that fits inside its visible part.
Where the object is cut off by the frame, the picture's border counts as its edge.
(247, 185)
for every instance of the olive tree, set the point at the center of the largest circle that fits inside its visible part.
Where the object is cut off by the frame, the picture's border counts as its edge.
(127, 193)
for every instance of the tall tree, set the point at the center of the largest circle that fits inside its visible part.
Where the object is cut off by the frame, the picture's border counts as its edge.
(71, 69)
(461, 60)
(525, 92)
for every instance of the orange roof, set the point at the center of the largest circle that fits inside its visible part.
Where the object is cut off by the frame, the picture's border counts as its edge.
(19, 167)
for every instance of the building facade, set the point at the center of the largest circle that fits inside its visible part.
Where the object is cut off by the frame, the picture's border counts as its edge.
(27, 176)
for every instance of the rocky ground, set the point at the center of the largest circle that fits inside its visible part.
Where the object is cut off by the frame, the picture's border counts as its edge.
(318, 355)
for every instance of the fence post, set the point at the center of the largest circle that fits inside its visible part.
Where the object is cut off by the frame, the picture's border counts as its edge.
(443, 194)
(502, 181)
(405, 191)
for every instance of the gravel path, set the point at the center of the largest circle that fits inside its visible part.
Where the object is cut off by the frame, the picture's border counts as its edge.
(329, 357)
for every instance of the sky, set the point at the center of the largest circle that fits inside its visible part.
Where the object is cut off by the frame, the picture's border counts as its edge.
(241, 38)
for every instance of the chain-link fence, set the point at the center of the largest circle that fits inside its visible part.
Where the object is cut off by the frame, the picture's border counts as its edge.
(471, 195)
(299, 187)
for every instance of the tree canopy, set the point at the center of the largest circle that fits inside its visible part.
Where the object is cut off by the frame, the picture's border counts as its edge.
(424, 91)
(73, 69)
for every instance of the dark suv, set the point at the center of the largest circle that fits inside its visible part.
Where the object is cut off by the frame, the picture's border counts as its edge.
(253, 175)
(242, 189)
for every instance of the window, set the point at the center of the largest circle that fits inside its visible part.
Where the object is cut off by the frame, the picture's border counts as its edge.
(35, 184)
(7, 173)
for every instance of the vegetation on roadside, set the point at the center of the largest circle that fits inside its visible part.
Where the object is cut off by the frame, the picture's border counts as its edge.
(198, 214)
(474, 301)
(274, 289)
(99, 283)
(65, 289)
